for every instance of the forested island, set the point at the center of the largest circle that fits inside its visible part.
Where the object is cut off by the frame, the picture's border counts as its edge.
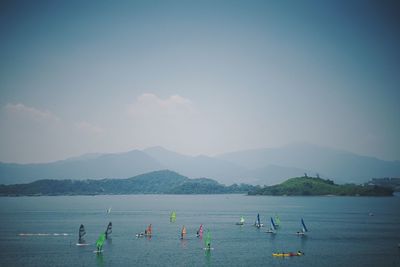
(158, 182)
(311, 186)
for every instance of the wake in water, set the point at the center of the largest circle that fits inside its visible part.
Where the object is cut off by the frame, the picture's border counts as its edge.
(43, 234)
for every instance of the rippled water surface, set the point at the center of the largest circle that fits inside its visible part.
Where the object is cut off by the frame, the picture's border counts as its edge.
(342, 232)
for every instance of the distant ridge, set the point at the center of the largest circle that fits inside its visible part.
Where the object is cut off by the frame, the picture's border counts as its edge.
(158, 182)
(342, 166)
(95, 166)
(259, 166)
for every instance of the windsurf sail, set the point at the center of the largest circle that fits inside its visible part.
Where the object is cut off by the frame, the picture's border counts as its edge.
(109, 210)
(149, 230)
(273, 226)
(108, 230)
(183, 232)
(277, 221)
(207, 240)
(241, 220)
(172, 217)
(304, 228)
(100, 242)
(258, 223)
(200, 231)
(81, 234)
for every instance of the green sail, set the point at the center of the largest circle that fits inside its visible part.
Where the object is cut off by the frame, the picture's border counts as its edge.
(172, 218)
(100, 241)
(207, 240)
(277, 221)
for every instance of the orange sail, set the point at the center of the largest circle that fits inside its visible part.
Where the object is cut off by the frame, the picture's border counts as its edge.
(183, 232)
(149, 229)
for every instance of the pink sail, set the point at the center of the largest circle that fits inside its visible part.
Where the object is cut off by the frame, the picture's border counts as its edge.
(200, 231)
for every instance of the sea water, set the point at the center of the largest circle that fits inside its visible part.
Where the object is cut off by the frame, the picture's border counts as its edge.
(343, 231)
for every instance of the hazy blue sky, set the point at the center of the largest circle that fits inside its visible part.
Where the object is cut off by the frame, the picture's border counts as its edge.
(197, 77)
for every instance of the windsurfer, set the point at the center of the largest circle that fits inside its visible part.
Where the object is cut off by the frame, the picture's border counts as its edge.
(108, 230)
(183, 232)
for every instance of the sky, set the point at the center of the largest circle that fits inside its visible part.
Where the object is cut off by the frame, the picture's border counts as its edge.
(197, 77)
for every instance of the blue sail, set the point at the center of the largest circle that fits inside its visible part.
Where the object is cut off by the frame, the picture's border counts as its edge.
(258, 218)
(273, 226)
(304, 225)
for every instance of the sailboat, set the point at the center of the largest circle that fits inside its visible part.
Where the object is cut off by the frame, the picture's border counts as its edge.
(172, 217)
(200, 231)
(183, 232)
(257, 223)
(81, 240)
(108, 230)
(303, 228)
(272, 229)
(109, 210)
(241, 222)
(207, 241)
(100, 243)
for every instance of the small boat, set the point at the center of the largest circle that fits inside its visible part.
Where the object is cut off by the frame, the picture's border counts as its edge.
(200, 231)
(272, 229)
(288, 254)
(172, 217)
(183, 232)
(108, 230)
(257, 223)
(241, 222)
(303, 228)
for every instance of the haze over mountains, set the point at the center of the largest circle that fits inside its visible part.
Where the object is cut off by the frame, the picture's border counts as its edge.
(259, 166)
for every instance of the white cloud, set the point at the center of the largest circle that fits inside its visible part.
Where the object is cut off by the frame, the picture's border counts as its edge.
(32, 113)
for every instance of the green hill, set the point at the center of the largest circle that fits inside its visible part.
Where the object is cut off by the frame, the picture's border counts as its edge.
(309, 186)
(158, 182)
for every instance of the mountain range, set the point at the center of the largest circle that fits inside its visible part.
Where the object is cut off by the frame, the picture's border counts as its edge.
(258, 166)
